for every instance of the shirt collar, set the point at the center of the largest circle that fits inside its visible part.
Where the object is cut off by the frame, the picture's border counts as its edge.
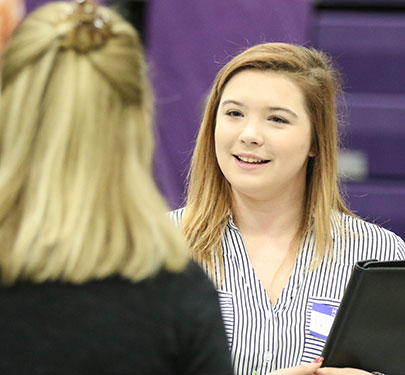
(231, 223)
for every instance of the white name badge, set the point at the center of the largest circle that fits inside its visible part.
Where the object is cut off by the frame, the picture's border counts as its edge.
(322, 317)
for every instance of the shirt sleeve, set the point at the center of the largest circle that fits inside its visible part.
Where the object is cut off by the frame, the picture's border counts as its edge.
(400, 250)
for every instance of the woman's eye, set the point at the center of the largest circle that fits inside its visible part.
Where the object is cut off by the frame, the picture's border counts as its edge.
(278, 120)
(234, 113)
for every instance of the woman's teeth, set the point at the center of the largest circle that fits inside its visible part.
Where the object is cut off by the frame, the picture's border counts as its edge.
(251, 160)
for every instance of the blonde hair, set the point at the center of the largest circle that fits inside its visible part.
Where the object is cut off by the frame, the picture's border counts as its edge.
(209, 196)
(77, 196)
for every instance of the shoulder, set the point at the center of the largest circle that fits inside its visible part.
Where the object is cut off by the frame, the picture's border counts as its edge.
(188, 286)
(188, 298)
(177, 215)
(369, 240)
(361, 227)
(192, 273)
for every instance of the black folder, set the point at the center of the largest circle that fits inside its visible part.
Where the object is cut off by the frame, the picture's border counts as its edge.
(368, 332)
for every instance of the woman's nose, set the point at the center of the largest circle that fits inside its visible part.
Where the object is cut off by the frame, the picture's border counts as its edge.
(251, 134)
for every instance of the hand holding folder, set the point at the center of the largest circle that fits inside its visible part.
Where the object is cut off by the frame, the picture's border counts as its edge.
(369, 328)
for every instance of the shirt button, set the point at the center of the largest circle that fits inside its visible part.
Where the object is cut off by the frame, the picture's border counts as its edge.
(269, 315)
(267, 356)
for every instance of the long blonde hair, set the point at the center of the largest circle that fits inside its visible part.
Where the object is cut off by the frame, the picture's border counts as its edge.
(209, 196)
(77, 196)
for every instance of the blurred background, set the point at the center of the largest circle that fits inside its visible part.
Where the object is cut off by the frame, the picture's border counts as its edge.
(187, 42)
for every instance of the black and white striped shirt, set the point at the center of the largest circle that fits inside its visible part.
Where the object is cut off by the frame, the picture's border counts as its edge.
(265, 337)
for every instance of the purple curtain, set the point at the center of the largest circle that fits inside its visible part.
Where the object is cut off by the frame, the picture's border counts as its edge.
(188, 43)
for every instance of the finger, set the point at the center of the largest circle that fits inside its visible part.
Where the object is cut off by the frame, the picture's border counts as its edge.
(328, 371)
(340, 371)
(304, 369)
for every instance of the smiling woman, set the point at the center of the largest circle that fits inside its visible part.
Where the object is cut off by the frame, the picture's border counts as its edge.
(263, 136)
(264, 216)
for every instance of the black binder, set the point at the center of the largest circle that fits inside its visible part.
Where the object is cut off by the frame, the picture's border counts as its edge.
(368, 332)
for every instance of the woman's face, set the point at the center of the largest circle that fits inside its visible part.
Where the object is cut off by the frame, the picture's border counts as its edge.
(263, 135)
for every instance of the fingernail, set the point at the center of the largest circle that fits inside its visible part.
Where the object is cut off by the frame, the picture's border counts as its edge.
(318, 360)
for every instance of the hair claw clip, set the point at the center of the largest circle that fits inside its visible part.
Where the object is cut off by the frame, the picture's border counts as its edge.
(90, 31)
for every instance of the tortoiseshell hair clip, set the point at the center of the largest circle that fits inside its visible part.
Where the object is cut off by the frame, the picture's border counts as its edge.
(90, 30)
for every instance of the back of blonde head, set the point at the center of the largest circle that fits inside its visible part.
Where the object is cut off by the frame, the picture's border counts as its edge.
(209, 199)
(77, 197)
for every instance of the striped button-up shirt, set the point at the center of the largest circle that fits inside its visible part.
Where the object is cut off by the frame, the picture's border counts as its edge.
(264, 337)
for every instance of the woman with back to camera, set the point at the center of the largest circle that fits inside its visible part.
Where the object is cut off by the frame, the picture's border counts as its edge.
(95, 279)
(264, 215)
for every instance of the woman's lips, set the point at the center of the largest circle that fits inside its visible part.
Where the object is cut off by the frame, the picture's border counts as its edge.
(250, 162)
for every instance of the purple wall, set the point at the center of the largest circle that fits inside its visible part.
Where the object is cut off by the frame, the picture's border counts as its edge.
(369, 47)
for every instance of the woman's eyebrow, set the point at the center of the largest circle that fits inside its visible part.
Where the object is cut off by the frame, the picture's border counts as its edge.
(282, 109)
(270, 108)
(230, 101)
